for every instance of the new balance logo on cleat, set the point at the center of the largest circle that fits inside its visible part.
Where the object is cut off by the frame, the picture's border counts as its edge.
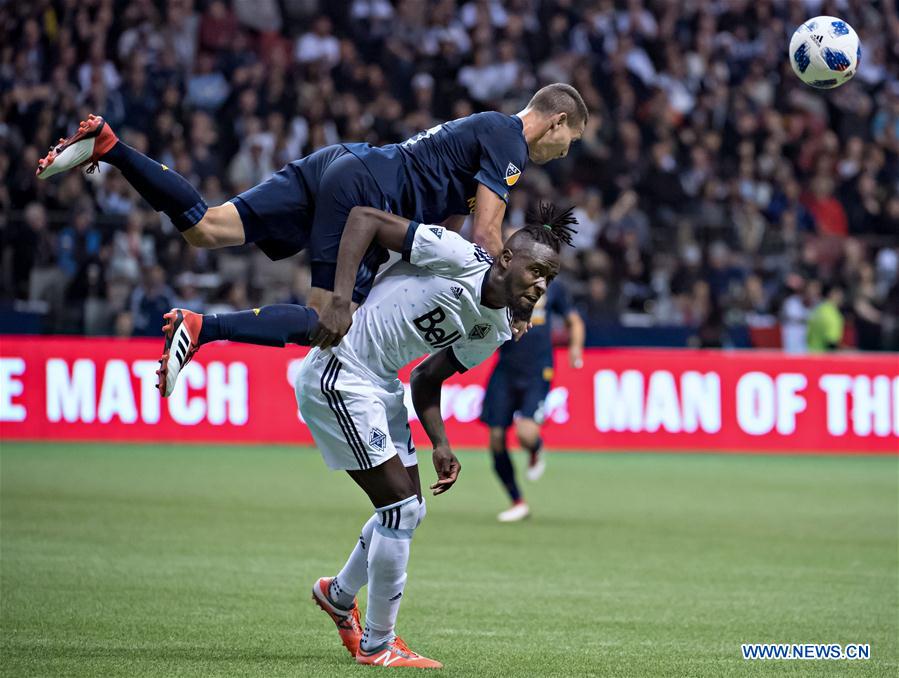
(437, 231)
(457, 291)
(386, 659)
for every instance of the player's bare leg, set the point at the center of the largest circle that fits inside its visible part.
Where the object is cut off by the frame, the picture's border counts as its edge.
(528, 432)
(221, 226)
(505, 471)
(162, 187)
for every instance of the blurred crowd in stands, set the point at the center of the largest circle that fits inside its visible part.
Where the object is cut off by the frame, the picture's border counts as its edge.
(713, 189)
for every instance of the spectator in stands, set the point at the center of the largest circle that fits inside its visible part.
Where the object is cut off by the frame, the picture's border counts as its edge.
(79, 242)
(150, 299)
(794, 314)
(826, 324)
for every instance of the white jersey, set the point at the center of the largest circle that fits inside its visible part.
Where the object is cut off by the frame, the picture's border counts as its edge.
(428, 302)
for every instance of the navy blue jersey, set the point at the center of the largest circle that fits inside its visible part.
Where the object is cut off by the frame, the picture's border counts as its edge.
(534, 352)
(436, 173)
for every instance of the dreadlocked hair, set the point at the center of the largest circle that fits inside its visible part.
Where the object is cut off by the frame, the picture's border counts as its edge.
(547, 228)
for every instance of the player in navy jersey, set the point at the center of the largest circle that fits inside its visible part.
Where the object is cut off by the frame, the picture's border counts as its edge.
(520, 383)
(462, 167)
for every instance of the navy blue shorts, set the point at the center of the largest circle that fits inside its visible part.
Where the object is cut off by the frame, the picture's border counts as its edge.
(305, 205)
(509, 393)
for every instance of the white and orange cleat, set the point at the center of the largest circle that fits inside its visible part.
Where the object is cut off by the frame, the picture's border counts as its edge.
(91, 142)
(396, 654)
(182, 341)
(347, 621)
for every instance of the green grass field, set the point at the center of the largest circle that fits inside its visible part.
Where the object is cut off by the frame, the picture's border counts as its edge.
(129, 560)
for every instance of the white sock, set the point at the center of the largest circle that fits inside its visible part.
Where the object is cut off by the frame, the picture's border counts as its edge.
(388, 557)
(354, 574)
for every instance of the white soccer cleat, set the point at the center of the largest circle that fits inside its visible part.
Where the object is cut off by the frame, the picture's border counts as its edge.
(182, 341)
(536, 467)
(518, 511)
(93, 139)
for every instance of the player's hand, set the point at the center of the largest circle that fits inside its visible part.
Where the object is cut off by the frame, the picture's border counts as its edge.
(447, 467)
(520, 328)
(576, 358)
(333, 323)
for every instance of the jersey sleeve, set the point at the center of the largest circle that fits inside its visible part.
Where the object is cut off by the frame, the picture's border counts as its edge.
(438, 249)
(503, 157)
(467, 354)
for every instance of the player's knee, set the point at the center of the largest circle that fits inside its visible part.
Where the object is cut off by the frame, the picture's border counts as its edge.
(201, 235)
(399, 519)
(528, 432)
(497, 441)
(219, 227)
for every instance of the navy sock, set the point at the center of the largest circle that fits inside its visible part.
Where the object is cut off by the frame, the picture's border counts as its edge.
(502, 464)
(274, 325)
(165, 189)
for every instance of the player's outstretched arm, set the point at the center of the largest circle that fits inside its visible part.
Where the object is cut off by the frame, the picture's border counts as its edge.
(576, 337)
(364, 226)
(427, 383)
(487, 230)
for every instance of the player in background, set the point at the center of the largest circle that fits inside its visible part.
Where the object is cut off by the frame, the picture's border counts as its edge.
(520, 383)
(449, 299)
(438, 176)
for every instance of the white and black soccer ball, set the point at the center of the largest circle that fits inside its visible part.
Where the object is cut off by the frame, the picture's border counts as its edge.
(825, 52)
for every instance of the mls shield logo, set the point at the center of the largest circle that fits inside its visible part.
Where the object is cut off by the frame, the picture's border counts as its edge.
(377, 439)
(457, 291)
(512, 174)
(437, 231)
(479, 331)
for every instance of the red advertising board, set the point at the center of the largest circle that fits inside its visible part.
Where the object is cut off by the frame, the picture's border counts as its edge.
(104, 389)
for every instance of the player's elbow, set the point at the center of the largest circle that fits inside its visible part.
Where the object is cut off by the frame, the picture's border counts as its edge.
(362, 213)
(366, 219)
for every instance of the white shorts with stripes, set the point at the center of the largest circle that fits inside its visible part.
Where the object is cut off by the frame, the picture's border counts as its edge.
(357, 422)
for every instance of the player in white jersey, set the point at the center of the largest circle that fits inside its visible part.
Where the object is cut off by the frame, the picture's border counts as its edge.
(450, 300)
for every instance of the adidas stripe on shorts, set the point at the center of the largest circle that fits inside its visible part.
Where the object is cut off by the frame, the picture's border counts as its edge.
(357, 421)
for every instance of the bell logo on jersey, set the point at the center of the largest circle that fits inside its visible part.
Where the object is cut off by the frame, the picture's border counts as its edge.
(436, 336)
(512, 174)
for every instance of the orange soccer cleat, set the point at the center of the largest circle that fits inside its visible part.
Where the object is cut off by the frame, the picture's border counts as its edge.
(182, 341)
(395, 654)
(347, 621)
(91, 142)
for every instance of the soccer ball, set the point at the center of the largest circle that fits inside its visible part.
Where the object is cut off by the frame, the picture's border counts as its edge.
(825, 52)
